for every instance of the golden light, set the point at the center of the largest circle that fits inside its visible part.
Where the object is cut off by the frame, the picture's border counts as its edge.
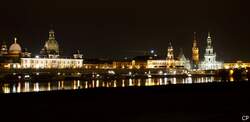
(231, 72)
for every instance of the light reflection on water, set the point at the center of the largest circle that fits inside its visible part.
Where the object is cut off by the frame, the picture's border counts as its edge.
(17, 87)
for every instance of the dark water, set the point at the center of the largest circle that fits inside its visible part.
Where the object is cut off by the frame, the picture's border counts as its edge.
(17, 87)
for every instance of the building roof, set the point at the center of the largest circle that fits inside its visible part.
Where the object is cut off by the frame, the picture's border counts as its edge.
(15, 47)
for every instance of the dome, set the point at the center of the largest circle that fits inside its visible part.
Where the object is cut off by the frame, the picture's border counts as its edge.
(51, 46)
(15, 48)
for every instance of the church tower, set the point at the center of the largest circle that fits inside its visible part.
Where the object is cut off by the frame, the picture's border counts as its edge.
(195, 53)
(210, 62)
(4, 49)
(209, 56)
(170, 56)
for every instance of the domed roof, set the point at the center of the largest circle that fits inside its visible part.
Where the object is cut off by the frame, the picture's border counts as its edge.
(51, 45)
(15, 48)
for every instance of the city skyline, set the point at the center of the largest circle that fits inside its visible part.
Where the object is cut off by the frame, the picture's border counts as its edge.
(130, 53)
(133, 28)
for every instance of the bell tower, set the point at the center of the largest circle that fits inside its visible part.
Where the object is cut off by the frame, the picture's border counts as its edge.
(170, 56)
(195, 53)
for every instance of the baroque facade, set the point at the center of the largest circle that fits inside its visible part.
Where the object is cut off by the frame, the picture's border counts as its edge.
(50, 57)
(209, 62)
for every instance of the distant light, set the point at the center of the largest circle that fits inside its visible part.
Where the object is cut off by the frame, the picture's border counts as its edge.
(26, 76)
(37, 56)
(160, 72)
(111, 72)
(129, 73)
(152, 51)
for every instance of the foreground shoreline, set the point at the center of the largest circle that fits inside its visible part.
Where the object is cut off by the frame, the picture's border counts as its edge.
(206, 102)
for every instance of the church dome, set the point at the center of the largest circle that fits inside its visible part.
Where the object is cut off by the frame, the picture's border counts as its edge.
(51, 45)
(15, 48)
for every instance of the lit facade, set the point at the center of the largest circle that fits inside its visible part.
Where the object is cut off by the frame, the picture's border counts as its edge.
(156, 63)
(48, 63)
(161, 63)
(10, 57)
(238, 64)
(209, 62)
(123, 64)
(50, 57)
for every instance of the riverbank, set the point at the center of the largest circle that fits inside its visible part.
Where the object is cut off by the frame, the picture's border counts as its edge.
(218, 101)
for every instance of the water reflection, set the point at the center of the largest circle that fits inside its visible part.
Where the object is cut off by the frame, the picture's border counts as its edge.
(16, 87)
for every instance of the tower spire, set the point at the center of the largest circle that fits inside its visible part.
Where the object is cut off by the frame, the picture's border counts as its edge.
(15, 39)
(195, 53)
(195, 42)
(195, 36)
(170, 56)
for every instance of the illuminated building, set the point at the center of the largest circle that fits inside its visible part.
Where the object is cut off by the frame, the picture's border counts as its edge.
(195, 53)
(51, 47)
(123, 64)
(237, 64)
(170, 56)
(209, 62)
(78, 55)
(181, 61)
(10, 58)
(50, 57)
(156, 63)
(4, 49)
(138, 62)
(15, 49)
(47, 63)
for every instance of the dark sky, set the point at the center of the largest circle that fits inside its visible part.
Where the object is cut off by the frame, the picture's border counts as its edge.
(127, 28)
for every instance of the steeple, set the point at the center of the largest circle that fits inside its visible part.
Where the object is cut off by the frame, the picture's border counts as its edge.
(170, 56)
(170, 47)
(51, 35)
(195, 53)
(195, 42)
(209, 41)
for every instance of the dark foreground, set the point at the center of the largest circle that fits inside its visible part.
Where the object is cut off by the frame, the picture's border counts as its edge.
(222, 102)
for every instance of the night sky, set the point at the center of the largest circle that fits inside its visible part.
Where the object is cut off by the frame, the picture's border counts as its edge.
(115, 29)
